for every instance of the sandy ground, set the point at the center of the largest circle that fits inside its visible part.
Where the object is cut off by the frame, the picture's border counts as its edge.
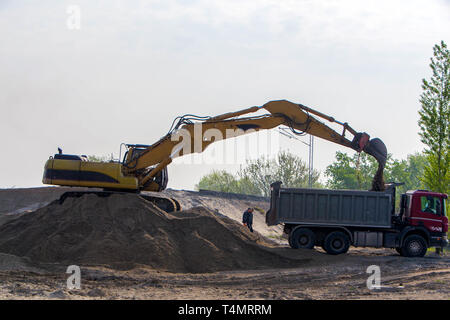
(338, 278)
(320, 276)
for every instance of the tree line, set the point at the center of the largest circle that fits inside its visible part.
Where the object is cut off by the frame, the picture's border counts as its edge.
(346, 172)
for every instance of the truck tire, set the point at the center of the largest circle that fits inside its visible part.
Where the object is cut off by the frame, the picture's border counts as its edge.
(336, 242)
(414, 246)
(290, 240)
(302, 238)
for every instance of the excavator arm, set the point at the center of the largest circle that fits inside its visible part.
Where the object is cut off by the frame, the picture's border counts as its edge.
(144, 167)
(193, 134)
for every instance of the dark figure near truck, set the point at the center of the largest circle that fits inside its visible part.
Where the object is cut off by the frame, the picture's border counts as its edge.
(247, 218)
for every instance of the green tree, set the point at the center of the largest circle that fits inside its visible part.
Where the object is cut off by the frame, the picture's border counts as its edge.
(293, 171)
(257, 175)
(260, 173)
(355, 172)
(434, 121)
(288, 168)
(95, 158)
(218, 181)
(408, 171)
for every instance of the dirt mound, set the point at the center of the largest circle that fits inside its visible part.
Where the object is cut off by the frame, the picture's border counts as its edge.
(16, 202)
(29, 199)
(230, 205)
(123, 231)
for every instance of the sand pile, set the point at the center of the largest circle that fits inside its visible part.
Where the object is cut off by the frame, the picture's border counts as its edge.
(123, 231)
(15, 202)
(28, 199)
(230, 205)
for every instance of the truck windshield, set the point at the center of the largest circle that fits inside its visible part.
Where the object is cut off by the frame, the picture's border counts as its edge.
(430, 204)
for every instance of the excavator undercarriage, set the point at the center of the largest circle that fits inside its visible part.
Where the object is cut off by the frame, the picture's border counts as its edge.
(165, 204)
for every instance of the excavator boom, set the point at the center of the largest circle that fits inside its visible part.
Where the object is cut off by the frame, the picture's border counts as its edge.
(194, 139)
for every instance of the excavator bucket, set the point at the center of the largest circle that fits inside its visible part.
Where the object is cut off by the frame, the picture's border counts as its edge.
(376, 148)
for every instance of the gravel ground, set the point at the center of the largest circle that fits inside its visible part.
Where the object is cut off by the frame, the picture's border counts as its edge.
(321, 276)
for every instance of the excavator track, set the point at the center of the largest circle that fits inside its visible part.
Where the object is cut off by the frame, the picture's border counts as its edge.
(165, 204)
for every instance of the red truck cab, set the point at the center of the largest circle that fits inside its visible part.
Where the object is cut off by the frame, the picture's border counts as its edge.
(426, 210)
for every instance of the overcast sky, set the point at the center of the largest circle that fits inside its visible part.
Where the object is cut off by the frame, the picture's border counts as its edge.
(133, 66)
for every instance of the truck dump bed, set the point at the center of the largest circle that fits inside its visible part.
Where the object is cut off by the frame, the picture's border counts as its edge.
(329, 207)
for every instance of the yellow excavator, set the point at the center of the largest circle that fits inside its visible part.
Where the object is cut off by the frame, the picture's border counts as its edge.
(144, 167)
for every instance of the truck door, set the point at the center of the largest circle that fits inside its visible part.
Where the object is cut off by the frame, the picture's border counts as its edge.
(430, 213)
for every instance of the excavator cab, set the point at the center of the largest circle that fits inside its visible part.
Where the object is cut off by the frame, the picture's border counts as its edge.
(133, 151)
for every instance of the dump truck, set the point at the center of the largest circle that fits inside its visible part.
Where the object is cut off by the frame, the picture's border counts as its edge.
(338, 219)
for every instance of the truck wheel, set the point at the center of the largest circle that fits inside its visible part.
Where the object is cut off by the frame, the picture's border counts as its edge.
(414, 246)
(303, 238)
(290, 240)
(336, 242)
